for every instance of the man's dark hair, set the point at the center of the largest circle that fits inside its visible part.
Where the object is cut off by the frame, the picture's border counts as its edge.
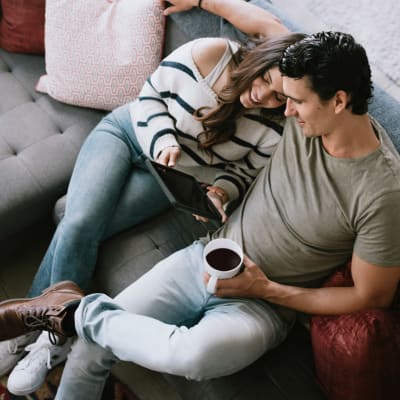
(332, 61)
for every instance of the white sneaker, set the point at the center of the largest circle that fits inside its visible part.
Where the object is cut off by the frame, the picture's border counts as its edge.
(30, 373)
(11, 351)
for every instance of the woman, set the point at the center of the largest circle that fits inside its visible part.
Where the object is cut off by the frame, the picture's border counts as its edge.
(210, 103)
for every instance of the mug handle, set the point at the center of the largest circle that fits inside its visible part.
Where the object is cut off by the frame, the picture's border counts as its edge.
(212, 284)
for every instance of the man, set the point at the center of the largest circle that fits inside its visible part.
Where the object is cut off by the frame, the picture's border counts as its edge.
(330, 193)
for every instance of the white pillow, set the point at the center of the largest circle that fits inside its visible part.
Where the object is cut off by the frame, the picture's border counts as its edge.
(100, 52)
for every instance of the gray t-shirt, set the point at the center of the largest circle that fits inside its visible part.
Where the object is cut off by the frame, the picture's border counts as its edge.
(307, 211)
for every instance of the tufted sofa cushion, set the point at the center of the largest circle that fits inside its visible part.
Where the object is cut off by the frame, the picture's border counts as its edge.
(39, 142)
(128, 255)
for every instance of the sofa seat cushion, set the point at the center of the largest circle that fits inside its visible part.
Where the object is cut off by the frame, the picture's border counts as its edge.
(128, 255)
(39, 141)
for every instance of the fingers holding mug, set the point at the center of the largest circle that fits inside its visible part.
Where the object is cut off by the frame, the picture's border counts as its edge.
(223, 259)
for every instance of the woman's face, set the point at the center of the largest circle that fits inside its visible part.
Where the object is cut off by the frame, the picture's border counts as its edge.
(266, 91)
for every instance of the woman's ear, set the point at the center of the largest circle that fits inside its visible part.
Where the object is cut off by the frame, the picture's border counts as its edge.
(341, 101)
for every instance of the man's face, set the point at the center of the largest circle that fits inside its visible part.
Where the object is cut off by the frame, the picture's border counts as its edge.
(313, 115)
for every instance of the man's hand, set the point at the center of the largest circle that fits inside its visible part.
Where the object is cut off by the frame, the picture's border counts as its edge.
(374, 287)
(169, 156)
(251, 282)
(179, 6)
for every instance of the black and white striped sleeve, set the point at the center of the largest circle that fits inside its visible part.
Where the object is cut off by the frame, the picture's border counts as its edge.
(161, 103)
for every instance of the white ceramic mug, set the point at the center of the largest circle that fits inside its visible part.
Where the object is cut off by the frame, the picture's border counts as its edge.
(223, 259)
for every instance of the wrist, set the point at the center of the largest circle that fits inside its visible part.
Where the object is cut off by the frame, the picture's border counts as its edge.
(272, 292)
(224, 197)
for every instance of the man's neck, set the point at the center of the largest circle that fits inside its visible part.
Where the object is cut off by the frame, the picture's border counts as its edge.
(353, 137)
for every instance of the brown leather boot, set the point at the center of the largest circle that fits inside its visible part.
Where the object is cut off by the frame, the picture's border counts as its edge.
(52, 311)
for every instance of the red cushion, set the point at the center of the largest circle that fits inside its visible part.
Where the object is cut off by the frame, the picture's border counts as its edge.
(357, 355)
(22, 26)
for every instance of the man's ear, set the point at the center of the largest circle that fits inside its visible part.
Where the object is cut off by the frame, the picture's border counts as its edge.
(341, 101)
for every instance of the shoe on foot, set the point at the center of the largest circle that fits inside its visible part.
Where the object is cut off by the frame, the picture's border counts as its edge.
(11, 351)
(52, 311)
(30, 373)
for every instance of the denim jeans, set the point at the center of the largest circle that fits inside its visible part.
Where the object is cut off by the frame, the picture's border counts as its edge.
(110, 190)
(167, 321)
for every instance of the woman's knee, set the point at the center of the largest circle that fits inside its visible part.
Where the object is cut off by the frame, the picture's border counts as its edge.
(120, 120)
(77, 227)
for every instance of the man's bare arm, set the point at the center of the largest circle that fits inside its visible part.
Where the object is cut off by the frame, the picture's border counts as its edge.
(250, 19)
(374, 286)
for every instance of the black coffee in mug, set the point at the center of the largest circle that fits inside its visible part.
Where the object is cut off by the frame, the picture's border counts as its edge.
(223, 259)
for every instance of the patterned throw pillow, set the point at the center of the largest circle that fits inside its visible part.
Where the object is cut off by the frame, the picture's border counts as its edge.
(99, 52)
(22, 26)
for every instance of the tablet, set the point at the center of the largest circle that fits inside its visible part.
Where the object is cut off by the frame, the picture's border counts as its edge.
(183, 190)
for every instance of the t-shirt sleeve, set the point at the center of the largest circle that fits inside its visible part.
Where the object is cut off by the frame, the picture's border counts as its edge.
(378, 231)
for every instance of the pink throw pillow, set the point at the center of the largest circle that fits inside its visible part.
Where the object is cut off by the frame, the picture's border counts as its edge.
(100, 52)
(22, 26)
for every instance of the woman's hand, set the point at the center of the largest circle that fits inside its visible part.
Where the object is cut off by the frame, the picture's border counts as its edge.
(251, 282)
(247, 17)
(169, 156)
(179, 6)
(219, 198)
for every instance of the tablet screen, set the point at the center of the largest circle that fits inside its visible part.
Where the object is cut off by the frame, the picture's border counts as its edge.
(183, 190)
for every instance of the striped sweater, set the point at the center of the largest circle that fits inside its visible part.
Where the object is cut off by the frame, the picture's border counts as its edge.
(162, 116)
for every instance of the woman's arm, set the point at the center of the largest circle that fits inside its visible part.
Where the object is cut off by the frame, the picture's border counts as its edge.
(250, 19)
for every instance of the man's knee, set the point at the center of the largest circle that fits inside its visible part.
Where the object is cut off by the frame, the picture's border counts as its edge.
(89, 358)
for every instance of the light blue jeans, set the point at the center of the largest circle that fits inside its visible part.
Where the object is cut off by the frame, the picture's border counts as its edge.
(110, 190)
(166, 321)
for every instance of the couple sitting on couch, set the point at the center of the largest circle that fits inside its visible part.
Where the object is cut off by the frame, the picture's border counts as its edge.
(328, 191)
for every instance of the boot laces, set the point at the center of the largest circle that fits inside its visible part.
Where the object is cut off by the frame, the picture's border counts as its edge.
(38, 319)
(43, 352)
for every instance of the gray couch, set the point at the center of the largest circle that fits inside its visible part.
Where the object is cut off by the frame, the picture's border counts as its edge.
(39, 142)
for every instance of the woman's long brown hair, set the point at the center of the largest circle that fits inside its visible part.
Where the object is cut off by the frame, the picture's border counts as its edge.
(252, 60)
